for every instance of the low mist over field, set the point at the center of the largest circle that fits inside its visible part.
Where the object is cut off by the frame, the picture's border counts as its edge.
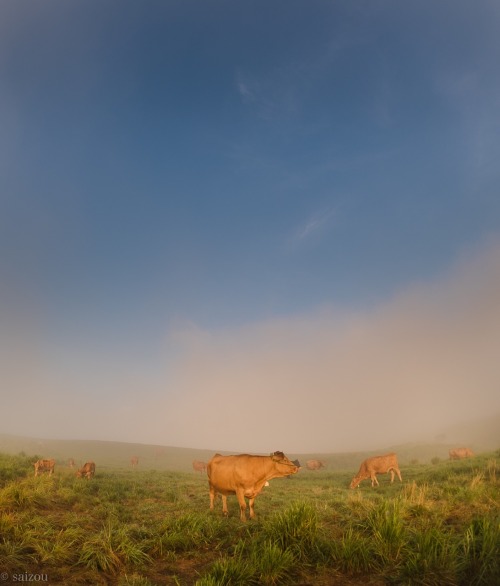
(330, 381)
(402, 371)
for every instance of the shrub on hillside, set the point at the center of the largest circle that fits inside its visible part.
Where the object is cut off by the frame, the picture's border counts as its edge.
(15, 467)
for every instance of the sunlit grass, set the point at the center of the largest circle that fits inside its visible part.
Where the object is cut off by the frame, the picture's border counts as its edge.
(430, 558)
(228, 571)
(295, 529)
(441, 526)
(353, 553)
(480, 548)
(271, 564)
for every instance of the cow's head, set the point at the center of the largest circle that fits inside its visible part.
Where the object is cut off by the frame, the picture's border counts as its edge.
(282, 460)
(355, 482)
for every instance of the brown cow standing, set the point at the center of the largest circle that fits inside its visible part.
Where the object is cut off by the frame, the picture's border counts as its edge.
(134, 461)
(71, 463)
(460, 453)
(314, 464)
(199, 466)
(44, 466)
(245, 476)
(377, 465)
(87, 470)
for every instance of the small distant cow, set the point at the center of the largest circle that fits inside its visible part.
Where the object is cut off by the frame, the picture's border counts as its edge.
(87, 471)
(159, 451)
(71, 463)
(460, 453)
(314, 464)
(199, 466)
(377, 465)
(134, 461)
(44, 466)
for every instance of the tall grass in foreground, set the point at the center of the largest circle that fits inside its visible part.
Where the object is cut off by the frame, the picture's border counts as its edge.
(440, 527)
(272, 556)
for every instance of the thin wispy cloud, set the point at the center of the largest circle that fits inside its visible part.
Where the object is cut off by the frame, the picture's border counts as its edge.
(251, 91)
(314, 225)
(271, 96)
(244, 90)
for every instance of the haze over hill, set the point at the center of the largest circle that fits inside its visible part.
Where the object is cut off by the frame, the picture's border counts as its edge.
(330, 381)
(480, 435)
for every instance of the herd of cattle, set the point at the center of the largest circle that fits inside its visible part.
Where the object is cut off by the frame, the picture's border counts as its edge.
(246, 475)
(86, 471)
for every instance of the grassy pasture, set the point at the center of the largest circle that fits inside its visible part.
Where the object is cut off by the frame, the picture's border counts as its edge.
(148, 527)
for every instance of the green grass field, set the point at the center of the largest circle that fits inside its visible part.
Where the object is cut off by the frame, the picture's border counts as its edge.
(145, 527)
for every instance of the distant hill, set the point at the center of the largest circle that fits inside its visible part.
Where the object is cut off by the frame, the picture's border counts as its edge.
(481, 436)
(106, 454)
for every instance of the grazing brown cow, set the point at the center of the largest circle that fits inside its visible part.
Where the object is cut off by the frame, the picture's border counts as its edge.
(245, 476)
(314, 464)
(199, 466)
(44, 466)
(460, 453)
(87, 470)
(377, 465)
(134, 460)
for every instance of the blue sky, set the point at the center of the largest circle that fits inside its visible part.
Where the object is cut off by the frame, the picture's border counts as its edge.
(193, 194)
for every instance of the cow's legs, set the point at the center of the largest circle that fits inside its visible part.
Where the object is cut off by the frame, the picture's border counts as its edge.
(240, 494)
(374, 479)
(397, 471)
(250, 503)
(212, 498)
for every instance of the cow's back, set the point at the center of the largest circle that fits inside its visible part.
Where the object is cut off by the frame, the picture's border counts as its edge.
(226, 473)
(382, 464)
